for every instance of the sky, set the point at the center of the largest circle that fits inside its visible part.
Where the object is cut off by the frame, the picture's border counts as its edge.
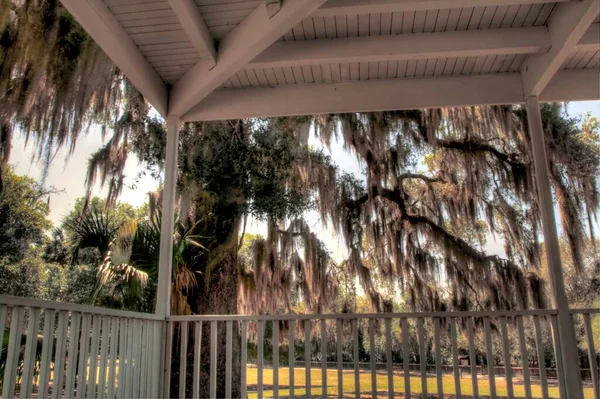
(67, 174)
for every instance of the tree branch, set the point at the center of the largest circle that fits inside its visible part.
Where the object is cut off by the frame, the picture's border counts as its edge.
(474, 146)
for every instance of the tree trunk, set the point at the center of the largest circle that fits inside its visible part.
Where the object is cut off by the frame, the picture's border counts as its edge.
(217, 294)
(221, 297)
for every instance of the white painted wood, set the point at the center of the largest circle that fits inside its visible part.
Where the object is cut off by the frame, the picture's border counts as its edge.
(145, 359)
(589, 339)
(455, 361)
(168, 351)
(197, 359)
(356, 358)
(489, 350)
(60, 354)
(128, 364)
(340, 359)
(84, 343)
(120, 391)
(324, 357)
(560, 369)
(472, 357)
(364, 316)
(539, 343)
(372, 358)
(163, 295)
(382, 95)
(213, 359)
(567, 348)
(193, 23)
(422, 356)
(351, 7)
(416, 46)
(72, 352)
(438, 357)
(292, 356)
(275, 359)
(405, 356)
(47, 348)
(158, 337)
(388, 358)
(135, 359)
(229, 359)
(567, 26)
(49, 305)
(307, 359)
(183, 329)
(524, 358)
(113, 344)
(506, 353)
(273, 7)
(107, 32)
(3, 311)
(12, 352)
(93, 365)
(590, 41)
(260, 344)
(105, 335)
(33, 324)
(251, 37)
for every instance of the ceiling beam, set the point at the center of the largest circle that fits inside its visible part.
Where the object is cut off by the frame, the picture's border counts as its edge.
(353, 7)
(193, 23)
(415, 46)
(385, 95)
(404, 47)
(567, 27)
(591, 39)
(251, 37)
(107, 32)
(273, 6)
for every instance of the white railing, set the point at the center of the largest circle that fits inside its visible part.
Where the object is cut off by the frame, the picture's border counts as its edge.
(452, 352)
(61, 350)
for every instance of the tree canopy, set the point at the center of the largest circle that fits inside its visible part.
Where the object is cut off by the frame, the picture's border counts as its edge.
(23, 215)
(436, 182)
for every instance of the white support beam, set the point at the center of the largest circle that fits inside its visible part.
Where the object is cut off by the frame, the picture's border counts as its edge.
(107, 32)
(273, 6)
(251, 37)
(571, 374)
(567, 27)
(404, 47)
(385, 95)
(353, 7)
(591, 39)
(167, 225)
(193, 23)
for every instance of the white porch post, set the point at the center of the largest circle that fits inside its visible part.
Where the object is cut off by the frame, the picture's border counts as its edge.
(163, 297)
(566, 333)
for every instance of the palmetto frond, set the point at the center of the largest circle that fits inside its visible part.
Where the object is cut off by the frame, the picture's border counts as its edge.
(93, 229)
(117, 276)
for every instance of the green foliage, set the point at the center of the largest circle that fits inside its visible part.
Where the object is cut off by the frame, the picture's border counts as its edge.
(32, 277)
(23, 215)
(93, 228)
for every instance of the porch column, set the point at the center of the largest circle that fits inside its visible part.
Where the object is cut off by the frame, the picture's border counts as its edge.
(566, 333)
(163, 296)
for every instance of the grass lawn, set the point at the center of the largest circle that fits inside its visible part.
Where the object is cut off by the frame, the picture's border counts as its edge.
(365, 385)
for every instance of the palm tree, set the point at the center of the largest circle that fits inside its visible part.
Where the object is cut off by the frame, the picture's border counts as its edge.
(435, 181)
(128, 255)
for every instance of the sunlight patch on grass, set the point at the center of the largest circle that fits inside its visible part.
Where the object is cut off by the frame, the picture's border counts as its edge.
(365, 385)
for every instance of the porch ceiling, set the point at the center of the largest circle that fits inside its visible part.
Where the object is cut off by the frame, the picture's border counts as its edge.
(216, 59)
